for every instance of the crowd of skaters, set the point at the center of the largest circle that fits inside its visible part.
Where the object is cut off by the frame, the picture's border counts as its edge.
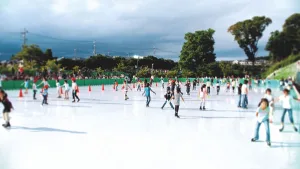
(174, 94)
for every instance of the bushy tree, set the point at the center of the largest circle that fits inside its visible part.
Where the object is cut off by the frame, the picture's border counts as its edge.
(247, 33)
(197, 50)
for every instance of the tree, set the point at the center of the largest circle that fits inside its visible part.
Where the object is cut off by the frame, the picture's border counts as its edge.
(248, 32)
(51, 65)
(30, 53)
(99, 71)
(197, 50)
(48, 55)
(291, 28)
(76, 69)
(225, 67)
(120, 67)
(279, 46)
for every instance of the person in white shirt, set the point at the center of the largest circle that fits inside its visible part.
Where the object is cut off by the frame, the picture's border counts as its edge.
(58, 88)
(269, 97)
(262, 115)
(244, 94)
(74, 90)
(67, 89)
(233, 85)
(286, 100)
(177, 96)
(34, 88)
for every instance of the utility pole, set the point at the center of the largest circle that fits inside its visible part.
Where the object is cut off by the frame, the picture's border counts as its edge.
(94, 48)
(24, 37)
(75, 53)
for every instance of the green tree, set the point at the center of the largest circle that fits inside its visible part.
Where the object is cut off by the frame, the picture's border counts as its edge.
(48, 55)
(51, 64)
(76, 69)
(225, 67)
(30, 53)
(291, 28)
(247, 33)
(99, 71)
(197, 50)
(121, 67)
(279, 46)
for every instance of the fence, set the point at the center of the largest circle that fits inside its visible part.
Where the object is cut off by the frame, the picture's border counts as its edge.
(17, 84)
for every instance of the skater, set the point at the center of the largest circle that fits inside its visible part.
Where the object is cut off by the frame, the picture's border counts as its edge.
(74, 90)
(286, 100)
(34, 88)
(177, 96)
(44, 93)
(202, 95)
(168, 97)
(147, 90)
(139, 86)
(262, 115)
(188, 87)
(58, 88)
(240, 95)
(7, 108)
(233, 83)
(194, 84)
(26, 85)
(208, 84)
(116, 85)
(218, 86)
(244, 93)
(162, 82)
(67, 89)
(228, 87)
(269, 97)
(126, 86)
(44, 82)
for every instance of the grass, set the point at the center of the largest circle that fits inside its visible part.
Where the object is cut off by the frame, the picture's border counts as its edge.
(284, 68)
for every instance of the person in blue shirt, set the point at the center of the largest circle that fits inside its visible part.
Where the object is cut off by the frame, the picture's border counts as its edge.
(45, 95)
(147, 94)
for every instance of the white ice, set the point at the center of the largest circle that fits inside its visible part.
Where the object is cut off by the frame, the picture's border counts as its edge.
(105, 131)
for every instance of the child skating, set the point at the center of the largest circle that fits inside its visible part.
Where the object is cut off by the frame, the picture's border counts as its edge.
(262, 115)
(44, 93)
(26, 86)
(286, 100)
(116, 85)
(7, 108)
(126, 86)
(168, 96)
(147, 90)
(177, 96)
(218, 87)
(188, 87)
(139, 86)
(202, 95)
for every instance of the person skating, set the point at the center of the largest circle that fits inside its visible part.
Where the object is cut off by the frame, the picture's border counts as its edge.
(139, 86)
(168, 96)
(286, 100)
(263, 116)
(202, 95)
(194, 84)
(34, 88)
(188, 87)
(74, 90)
(116, 85)
(177, 96)
(218, 87)
(162, 82)
(26, 85)
(240, 95)
(7, 108)
(208, 84)
(126, 86)
(244, 95)
(147, 90)
(67, 89)
(44, 93)
(58, 88)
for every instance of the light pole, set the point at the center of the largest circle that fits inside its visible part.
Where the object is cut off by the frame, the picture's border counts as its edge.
(152, 67)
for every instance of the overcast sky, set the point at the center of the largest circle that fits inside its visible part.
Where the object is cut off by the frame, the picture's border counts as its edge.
(133, 26)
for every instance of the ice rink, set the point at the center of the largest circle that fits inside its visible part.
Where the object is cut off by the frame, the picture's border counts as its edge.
(103, 131)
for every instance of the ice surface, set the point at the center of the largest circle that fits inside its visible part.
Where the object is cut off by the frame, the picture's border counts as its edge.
(105, 131)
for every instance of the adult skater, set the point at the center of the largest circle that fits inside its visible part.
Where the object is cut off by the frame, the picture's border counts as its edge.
(188, 87)
(168, 97)
(244, 95)
(58, 88)
(147, 90)
(208, 84)
(194, 84)
(263, 116)
(34, 89)
(7, 108)
(240, 95)
(74, 90)
(218, 86)
(233, 83)
(44, 82)
(139, 86)
(162, 82)
(177, 96)
(286, 100)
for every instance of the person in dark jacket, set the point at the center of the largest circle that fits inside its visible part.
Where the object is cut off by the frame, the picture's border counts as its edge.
(7, 108)
(168, 97)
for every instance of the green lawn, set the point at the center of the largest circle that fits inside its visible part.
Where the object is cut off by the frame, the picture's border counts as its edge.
(285, 72)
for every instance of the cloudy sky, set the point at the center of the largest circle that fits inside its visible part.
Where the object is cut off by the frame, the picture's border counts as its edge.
(128, 27)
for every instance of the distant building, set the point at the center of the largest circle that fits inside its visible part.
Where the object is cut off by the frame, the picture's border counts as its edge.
(249, 63)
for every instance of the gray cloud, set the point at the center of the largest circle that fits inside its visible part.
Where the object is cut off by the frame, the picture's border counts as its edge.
(140, 24)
